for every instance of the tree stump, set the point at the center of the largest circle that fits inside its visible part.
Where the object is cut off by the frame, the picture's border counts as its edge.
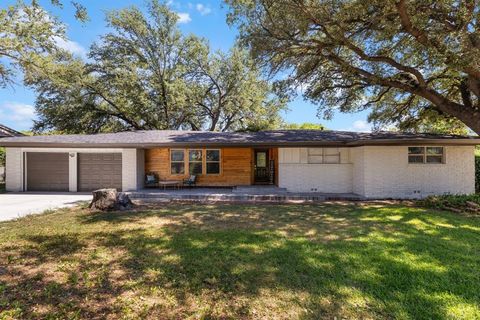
(110, 199)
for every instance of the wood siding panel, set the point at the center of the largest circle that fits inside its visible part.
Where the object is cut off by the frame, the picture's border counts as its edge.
(236, 167)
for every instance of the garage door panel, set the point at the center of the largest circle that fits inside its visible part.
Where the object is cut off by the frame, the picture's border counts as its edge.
(47, 171)
(99, 170)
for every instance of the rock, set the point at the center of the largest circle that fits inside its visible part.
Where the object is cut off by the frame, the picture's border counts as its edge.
(123, 200)
(110, 199)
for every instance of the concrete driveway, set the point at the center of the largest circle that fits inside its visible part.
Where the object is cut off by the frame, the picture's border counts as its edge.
(16, 205)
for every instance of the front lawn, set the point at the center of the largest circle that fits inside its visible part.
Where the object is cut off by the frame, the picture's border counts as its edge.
(350, 261)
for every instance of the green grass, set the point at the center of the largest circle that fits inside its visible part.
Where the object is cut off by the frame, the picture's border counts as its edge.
(371, 261)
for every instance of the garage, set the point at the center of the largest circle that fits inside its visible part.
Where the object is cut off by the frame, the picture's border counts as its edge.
(99, 170)
(47, 171)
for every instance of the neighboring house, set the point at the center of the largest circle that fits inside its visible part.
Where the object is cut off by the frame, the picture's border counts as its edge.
(6, 132)
(373, 165)
(9, 132)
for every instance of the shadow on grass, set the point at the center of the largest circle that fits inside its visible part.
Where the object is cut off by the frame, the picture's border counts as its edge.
(308, 262)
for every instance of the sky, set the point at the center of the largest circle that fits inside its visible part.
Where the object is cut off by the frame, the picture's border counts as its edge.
(205, 18)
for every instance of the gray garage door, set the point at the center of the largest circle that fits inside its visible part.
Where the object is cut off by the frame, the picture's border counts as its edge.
(47, 171)
(99, 170)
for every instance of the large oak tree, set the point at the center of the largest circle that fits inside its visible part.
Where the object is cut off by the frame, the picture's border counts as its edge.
(414, 63)
(146, 74)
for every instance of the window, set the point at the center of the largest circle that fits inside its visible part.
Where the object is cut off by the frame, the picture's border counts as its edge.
(213, 161)
(177, 161)
(426, 155)
(323, 155)
(195, 162)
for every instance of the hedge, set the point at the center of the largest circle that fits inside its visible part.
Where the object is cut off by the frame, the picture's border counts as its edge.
(477, 174)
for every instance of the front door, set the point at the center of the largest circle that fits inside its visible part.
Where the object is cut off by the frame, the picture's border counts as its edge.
(261, 171)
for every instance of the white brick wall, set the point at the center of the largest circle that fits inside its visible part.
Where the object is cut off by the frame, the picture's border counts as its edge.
(297, 175)
(389, 175)
(380, 172)
(13, 170)
(327, 178)
(129, 169)
(357, 156)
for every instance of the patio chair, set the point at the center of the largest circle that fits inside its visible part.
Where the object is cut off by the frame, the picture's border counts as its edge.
(151, 180)
(191, 181)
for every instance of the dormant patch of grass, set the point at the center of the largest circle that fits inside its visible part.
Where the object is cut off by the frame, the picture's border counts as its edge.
(181, 261)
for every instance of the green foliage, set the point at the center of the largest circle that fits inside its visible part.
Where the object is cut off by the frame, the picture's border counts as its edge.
(29, 40)
(452, 202)
(2, 157)
(304, 126)
(28, 34)
(412, 63)
(477, 173)
(146, 74)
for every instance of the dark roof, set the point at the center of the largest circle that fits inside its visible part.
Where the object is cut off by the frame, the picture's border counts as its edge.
(8, 132)
(263, 138)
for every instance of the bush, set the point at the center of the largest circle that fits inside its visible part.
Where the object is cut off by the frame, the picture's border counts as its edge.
(2, 157)
(465, 203)
(477, 174)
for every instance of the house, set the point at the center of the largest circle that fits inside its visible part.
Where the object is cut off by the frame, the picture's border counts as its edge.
(8, 132)
(373, 165)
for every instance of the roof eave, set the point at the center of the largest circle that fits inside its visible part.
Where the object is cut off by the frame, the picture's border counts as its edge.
(379, 142)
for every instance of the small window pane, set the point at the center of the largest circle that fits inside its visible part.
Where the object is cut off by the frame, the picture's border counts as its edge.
(195, 155)
(435, 150)
(177, 155)
(195, 168)
(213, 155)
(434, 159)
(415, 159)
(213, 167)
(178, 168)
(261, 159)
(416, 150)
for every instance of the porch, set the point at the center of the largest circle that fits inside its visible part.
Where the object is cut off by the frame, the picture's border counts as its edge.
(212, 167)
(239, 194)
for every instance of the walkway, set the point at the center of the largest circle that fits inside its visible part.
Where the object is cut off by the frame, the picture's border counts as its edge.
(239, 194)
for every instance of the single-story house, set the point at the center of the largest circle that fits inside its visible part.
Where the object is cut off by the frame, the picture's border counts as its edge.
(372, 165)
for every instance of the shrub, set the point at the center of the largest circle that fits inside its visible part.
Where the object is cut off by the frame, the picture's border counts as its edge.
(477, 174)
(2, 157)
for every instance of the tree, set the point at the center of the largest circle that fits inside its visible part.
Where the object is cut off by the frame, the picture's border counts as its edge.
(304, 126)
(409, 61)
(232, 95)
(29, 38)
(145, 74)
